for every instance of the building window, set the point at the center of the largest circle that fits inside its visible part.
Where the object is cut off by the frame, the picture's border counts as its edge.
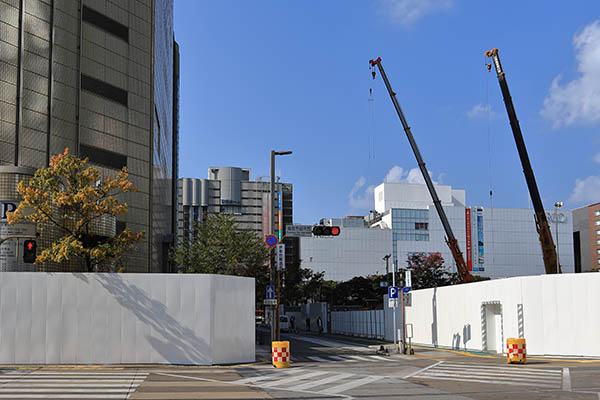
(103, 157)
(598, 241)
(104, 89)
(598, 232)
(597, 251)
(105, 23)
(422, 226)
(196, 212)
(598, 223)
(598, 261)
(597, 213)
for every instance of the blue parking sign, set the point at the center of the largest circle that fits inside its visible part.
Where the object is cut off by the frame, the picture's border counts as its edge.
(393, 292)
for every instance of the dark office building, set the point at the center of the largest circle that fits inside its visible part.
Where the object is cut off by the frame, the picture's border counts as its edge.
(100, 77)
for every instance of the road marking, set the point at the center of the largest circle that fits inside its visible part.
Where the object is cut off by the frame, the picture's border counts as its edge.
(566, 380)
(61, 390)
(381, 358)
(318, 359)
(285, 381)
(264, 377)
(492, 375)
(423, 370)
(337, 358)
(361, 358)
(29, 384)
(350, 385)
(28, 376)
(64, 396)
(73, 380)
(330, 343)
(81, 373)
(320, 382)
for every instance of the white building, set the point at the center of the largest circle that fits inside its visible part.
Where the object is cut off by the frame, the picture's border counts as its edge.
(496, 242)
(357, 251)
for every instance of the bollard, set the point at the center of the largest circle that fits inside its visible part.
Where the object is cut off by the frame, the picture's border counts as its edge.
(516, 351)
(281, 354)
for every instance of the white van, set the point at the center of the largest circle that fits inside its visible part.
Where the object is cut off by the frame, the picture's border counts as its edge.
(284, 323)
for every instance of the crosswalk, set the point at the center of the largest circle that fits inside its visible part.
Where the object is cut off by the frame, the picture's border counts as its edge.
(69, 385)
(322, 358)
(500, 375)
(305, 381)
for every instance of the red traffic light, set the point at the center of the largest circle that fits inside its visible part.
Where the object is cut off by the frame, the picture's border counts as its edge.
(29, 251)
(322, 230)
(29, 246)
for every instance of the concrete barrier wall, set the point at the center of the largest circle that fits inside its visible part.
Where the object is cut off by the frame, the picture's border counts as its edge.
(556, 314)
(365, 323)
(68, 318)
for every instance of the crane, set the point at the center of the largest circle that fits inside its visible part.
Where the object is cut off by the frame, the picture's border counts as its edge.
(541, 222)
(461, 266)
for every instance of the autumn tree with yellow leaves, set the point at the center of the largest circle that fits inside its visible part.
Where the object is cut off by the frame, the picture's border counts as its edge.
(71, 195)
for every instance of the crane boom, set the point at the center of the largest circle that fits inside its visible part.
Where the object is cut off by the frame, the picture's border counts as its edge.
(541, 222)
(461, 266)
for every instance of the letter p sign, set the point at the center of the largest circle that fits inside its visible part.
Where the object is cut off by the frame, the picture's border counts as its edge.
(393, 292)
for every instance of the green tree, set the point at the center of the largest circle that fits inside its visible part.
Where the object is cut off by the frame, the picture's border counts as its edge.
(72, 196)
(217, 247)
(428, 271)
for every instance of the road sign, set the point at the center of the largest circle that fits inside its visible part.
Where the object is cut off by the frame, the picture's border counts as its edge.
(271, 240)
(406, 289)
(298, 230)
(270, 302)
(407, 279)
(392, 303)
(280, 256)
(393, 292)
(383, 284)
(270, 291)
(407, 300)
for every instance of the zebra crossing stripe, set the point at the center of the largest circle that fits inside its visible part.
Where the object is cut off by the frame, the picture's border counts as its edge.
(360, 358)
(73, 380)
(63, 396)
(350, 385)
(490, 376)
(86, 385)
(318, 359)
(342, 359)
(259, 378)
(515, 368)
(381, 358)
(320, 382)
(125, 374)
(496, 381)
(488, 370)
(285, 381)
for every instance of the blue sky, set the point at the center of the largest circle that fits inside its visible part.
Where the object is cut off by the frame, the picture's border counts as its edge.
(261, 75)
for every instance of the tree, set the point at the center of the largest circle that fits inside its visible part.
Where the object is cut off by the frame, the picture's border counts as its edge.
(72, 196)
(428, 271)
(217, 247)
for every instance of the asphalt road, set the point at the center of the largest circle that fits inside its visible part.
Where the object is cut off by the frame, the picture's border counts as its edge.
(323, 367)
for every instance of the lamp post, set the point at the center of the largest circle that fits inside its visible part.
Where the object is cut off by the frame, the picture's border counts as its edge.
(557, 205)
(275, 311)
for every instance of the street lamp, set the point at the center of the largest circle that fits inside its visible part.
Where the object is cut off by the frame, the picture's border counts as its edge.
(275, 320)
(557, 205)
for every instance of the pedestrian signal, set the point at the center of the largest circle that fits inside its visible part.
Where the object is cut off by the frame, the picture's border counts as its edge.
(29, 251)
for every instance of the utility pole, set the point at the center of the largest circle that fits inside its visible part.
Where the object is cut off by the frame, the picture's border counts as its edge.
(272, 278)
(394, 308)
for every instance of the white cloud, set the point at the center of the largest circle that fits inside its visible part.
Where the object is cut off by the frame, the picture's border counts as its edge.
(407, 12)
(597, 158)
(586, 190)
(360, 198)
(364, 199)
(481, 111)
(394, 175)
(578, 101)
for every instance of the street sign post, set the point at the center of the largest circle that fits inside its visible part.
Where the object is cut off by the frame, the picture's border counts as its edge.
(298, 230)
(270, 302)
(280, 257)
(407, 280)
(270, 292)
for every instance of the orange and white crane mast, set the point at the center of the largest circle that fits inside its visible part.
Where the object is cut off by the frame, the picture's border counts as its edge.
(461, 266)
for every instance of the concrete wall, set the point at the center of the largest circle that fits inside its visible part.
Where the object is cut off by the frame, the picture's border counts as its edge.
(557, 314)
(364, 323)
(70, 318)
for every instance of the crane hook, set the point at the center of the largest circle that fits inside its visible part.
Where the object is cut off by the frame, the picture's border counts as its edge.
(373, 73)
(489, 67)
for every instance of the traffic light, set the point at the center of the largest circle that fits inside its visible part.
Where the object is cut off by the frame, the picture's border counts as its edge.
(29, 251)
(321, 230)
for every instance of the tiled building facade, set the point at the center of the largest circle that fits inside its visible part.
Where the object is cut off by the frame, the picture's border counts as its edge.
(101, 78)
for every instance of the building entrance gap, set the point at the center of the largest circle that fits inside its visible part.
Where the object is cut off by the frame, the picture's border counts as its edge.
(491, 327)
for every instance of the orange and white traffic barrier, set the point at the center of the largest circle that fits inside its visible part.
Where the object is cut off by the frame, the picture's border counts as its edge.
(281, 354)
(516, 351)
